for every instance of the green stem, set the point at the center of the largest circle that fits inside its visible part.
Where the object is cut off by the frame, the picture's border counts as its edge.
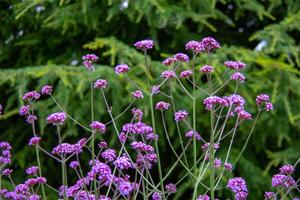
(248, 138)
(194, 112)
(154, 128)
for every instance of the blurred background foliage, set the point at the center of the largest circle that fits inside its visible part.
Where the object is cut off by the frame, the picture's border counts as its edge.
(42, 42)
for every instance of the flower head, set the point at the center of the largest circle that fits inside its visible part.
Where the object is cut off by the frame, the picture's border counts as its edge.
(24, 110)
(100, 84)
(7, 172)
(186, 74)
(31, 118)
(195, 46)
(137, 94)
(168, 74)
(144, 44)
(109, 155)
(181, 57)
(206, 69)
(262, 98)
(88, 61)
(180, 115)
(217, 163)
(162, 106)
(237, 76)
(98, 126)
(171, 188)
(156, 196)
(31, 96)
(208, 44)
(123, 163)
(191, 134)
(34, 141)
(287, 169)
(57, 118)
(74, 164)
(121, 69)
(32, 170)
(155, 89)
(46, 90)
(203, 197)
(237, 184)
(169, 61)
(236, 65)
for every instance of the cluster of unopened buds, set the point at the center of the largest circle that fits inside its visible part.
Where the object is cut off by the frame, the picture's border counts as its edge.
(126, 173)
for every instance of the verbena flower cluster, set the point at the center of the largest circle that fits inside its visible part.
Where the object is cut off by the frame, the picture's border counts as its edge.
(132, 169)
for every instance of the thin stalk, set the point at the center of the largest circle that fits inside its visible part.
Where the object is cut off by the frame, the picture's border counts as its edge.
(38, 157)
(194, 111)
(248, 138)
(154, 128)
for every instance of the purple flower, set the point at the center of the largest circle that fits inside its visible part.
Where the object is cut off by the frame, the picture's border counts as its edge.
(217, 163)
(203, 197)
(1, 109)
(155, 89)
(123, 163)
(206, 69)
(88, 61)
(47, 89)
(181, 57)
(100, 84)
(186, 74)
(269, 195)
(125, 187)
(282, 180)
(32, 170)
(90, 57)
(34, 197)
(137, 114)
(168, 74)
(162, 106)
(171, 188)
(236, 65)
(74, 164)
(195, 46)
(137, 94)
(30, 119)
(208, 44)
(144, 44)
(31, 96)
(156, 196)
(262, 98)
(180, 115)
(237, 76)
(287, 169)
(34, 141)
(242, 114)
(98, 126)
(122, 137)
(109, 155)
(7, 172)
(242, 195)
(169, 61)
(140, 146)
(211, 101)
(269, 106)
(228, 166)
(24, 110)
(191, 134)
(237, 184)
(102, 144)
(121, 69)
(57, 118)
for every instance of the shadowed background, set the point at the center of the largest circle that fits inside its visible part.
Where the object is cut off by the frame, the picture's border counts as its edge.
(42, 42)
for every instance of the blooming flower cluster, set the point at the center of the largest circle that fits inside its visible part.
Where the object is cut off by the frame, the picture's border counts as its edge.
(109, 168)
(238, 186)
(121, 69)
(88, 61)
(57, 119)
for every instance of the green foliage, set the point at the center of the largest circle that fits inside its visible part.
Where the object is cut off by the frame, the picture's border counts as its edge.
(51, 35)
